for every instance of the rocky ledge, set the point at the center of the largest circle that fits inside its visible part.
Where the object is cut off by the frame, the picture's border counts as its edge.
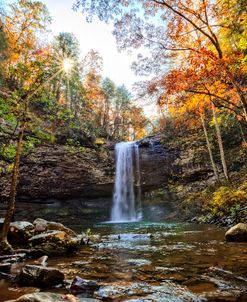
(64, 172)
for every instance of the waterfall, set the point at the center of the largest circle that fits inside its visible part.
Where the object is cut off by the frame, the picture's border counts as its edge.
(127, 199)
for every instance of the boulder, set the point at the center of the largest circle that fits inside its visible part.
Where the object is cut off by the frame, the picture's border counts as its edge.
(34, 275)
(42, 225)
(237, 233)
(54, 243)
(51, 297)
(20, 232)
(80, 285)
(40, 297)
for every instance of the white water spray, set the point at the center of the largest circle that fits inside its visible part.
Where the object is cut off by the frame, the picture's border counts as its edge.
(127, 200)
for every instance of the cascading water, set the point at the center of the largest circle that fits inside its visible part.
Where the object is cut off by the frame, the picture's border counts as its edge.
(127, 200)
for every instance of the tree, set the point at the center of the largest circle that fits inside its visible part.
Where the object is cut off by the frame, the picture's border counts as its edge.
(65, 51)
(209, 148)
(122, 103)
(23, 76)
(109, 92)
(220, 143)
(176, 30)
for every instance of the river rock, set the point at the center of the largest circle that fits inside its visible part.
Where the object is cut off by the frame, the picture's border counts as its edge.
(80, 285)
(42, 225)
(12, 264)
(20, 232)
(54, 243)
(1, 223)
(5, 267)
(51, 297)
(126, 291)
(237, 233)
(42, 260)
(40, 297)
(34, 275)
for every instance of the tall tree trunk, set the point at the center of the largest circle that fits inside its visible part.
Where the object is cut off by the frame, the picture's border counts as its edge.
(210, 149)
(106, 116)
(242, 132)
(220, 143)
(11, 204)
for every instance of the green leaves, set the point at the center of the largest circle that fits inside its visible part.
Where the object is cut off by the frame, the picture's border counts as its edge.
(8, 151)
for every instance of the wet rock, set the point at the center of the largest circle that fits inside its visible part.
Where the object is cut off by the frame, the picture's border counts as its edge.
(16, 268)
(166, 291)
(139, 262)
(80, 264)
(40, 297)
(20, 232)
(11, 264)
(237, 233)
(42, 225)
(51, 297)
(80, 285)
(194, 219)
(50, 236)
(43, 261)
(5, 267)
(223, 296)
(1, 223)
(34, 275)
(6, 276)
(226, 276)
(54, 243)
(13, 258)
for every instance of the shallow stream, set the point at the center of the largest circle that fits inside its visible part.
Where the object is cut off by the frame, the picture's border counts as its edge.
(157, 261)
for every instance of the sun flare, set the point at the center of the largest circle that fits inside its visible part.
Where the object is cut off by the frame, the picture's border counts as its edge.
(67, 65)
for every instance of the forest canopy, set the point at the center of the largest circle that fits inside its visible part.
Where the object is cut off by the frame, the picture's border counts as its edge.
(52, 84)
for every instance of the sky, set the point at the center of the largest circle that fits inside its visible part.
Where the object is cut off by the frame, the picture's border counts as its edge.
(96, 35)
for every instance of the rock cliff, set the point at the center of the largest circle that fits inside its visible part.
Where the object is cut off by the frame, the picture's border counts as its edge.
(57, 171)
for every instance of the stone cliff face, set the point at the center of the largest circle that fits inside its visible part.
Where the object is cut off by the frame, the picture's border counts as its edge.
(55, 171)
(61, 173)
(156, 163)
(161, 165)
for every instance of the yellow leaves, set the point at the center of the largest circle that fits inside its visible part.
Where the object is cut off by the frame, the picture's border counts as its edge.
(99, 141)
(62, 100)
(226, 197)
(244, 145)
(140, 133)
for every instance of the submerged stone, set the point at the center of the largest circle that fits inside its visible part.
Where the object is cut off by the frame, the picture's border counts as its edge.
(80, 285)
(166, 291)
(40, 276)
